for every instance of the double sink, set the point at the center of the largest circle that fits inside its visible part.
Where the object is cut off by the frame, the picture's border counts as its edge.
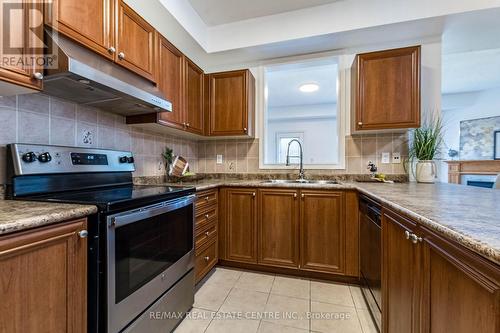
(300, 181)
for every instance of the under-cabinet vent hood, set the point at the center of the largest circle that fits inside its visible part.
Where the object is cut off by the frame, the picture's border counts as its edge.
(85, 77)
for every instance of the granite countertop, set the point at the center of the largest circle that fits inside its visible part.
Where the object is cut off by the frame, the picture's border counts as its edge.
(466, 214)
(18, 215)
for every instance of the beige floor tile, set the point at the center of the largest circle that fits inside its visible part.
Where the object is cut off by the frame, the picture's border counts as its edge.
(255, 282)
(224, 276)
(332, 293)
(267, 327)
(225, 325)
(211, 296)
(289, 311)
(241, 300)
(336, 318)
(367, 324)
(196, 322)
(292, 287)
(357, 296)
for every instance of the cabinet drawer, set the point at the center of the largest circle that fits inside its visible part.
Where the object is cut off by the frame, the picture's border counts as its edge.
(205, 236)
(205, 218)
(205, 199)
(205, 260)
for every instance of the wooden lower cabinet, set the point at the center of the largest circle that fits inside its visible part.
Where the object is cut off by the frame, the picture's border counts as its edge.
(301, 231)
(240, 225)
(43, 279)
(399, 275)
(322, 231)
(433, 285)
(205, 260)
(278, 227)
(206, 232)
(461, 291)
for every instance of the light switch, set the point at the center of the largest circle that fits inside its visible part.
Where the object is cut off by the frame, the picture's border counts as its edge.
(386, 157)
(219, 159)
(396, 157)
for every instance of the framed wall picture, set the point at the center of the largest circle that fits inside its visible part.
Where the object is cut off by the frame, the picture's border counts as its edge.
(496, 145)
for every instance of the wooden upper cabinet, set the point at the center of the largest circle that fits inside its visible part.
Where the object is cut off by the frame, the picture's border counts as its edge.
(278, 227)
(193, 97)
(386, 89)
(89, 22)
(135, 42)
(231, 110)
(462, 291)
(23, 24)
(43, 273)
(241, 225)
(400, 264)
(322, 231)
(170, 79)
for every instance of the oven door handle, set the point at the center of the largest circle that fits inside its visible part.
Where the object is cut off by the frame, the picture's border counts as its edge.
(122, 219)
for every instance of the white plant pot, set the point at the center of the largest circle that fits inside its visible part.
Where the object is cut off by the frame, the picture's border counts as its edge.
(426, 172)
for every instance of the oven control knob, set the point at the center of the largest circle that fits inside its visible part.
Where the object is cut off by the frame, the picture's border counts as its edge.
(29, 157)
(130, 159)
(44, 157)
(123, 159)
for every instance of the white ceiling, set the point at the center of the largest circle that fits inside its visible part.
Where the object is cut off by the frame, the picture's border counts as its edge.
(217, 12)
(283, 83)
(471, 71)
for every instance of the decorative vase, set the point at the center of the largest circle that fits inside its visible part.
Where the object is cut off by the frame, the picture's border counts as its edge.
(426, 172)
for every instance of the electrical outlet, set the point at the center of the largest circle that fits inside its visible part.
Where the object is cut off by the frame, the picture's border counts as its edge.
(219, 159)
(396, 157)
(386, 157)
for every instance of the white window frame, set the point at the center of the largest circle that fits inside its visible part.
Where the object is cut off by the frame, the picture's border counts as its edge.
(343, 82)
(280, 135)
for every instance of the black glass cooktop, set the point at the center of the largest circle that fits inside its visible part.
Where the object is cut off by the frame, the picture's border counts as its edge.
(119, 197)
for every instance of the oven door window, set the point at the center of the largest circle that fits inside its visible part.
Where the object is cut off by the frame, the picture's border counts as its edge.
(146, 248)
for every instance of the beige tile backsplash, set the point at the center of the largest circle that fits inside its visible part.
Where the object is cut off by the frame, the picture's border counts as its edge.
(242, 156)
(38, 118)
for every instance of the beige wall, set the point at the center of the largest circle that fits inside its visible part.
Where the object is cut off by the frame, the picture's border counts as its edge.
(243, 155)
(41, 119)
(38, 118)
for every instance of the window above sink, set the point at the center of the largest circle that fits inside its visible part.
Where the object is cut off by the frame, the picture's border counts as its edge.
(301, 103)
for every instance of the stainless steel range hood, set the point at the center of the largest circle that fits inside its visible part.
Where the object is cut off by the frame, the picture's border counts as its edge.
(87, 78)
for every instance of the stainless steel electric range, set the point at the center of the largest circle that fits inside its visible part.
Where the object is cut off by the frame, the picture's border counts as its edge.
(141, 248)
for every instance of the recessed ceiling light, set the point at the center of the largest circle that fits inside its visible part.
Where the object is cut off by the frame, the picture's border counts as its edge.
(309, 87)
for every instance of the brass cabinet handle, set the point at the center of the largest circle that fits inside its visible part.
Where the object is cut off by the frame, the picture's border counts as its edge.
(207, 258)
(253, 194)
(302, 195)
(295, 195)
(121, 55)
(245, 129)
(38, 76)
(360, 123)
(207, 216)
(187, 124)
(206, 198)
(83, 234)
(111, 50)
(207, 233)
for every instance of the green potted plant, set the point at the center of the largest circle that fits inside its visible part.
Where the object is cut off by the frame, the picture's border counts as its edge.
(168, 155)
(425, 144)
